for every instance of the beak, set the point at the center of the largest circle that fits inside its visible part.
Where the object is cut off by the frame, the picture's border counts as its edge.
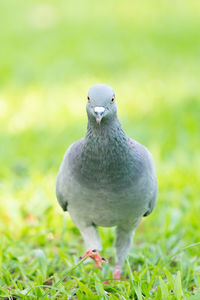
(99, 111)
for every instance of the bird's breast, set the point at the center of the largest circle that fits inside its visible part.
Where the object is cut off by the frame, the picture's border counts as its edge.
(110, 168)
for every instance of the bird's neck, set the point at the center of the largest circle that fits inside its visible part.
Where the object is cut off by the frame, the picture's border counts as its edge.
(105, 158)
(105, 134)
(106, 146)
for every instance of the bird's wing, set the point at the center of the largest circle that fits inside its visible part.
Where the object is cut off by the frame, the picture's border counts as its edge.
(147, 159)
(61, 180)
(63, 202)
(154, 186)
(152, 204)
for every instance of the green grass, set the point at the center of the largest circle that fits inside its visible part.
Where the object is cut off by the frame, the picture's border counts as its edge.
(50, 54)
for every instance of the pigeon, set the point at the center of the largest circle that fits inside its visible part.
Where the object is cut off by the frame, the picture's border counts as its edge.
(106, 179)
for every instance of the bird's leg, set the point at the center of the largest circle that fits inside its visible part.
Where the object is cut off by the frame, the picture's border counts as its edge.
(117, 272)
(122, 244)
(92, 243)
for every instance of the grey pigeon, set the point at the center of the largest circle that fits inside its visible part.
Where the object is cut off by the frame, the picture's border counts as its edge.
(106, 179)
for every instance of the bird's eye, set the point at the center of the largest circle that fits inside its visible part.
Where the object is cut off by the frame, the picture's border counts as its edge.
(112, 100)
(88, 99)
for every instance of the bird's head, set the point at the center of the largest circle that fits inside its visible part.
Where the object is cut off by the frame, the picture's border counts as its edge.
(101, 105)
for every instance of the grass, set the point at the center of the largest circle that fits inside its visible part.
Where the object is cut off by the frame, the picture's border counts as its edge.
(51, 54)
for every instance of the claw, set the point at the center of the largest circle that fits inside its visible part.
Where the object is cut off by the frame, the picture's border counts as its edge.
(92, 253)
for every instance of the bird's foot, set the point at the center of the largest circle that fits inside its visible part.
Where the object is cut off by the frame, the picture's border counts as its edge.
(117, 272)
(92, 253)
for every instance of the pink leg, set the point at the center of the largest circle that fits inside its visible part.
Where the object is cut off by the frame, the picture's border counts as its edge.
(92, 253)
(117, 272)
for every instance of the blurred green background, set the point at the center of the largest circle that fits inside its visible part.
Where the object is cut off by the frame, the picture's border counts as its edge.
(51, 52)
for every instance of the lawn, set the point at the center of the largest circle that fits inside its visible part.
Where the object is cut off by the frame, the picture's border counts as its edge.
(51, 53)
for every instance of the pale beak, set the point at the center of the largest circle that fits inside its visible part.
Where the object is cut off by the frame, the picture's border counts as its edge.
(99, 111)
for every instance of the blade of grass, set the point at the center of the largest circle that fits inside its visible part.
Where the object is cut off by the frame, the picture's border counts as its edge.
(178, 286)
(61, 280)
(99, 288)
